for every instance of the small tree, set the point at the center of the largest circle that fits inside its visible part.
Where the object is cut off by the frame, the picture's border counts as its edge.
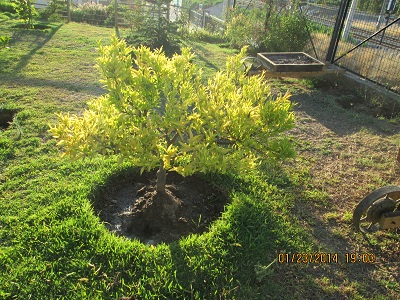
(154, 30)
(269, 29)
(158, 113)
(26, 11)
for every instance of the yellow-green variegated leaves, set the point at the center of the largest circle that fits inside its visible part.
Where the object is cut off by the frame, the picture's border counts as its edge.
(157, 110)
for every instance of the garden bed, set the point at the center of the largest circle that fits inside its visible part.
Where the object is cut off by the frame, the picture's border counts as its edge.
(289, 62)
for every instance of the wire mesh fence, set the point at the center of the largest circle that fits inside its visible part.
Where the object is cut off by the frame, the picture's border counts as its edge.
(375, 57)
(322, 20)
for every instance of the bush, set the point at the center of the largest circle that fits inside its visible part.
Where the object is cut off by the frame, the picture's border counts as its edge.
(206, 36)
(245, 30)
(288, 33)
(26, 12)
(159, 114)
(156, 34)
(90, 13)
(7, 6)
(52, 12)
(282, 31)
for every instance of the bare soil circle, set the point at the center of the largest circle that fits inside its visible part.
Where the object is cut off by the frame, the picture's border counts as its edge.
(129, 206)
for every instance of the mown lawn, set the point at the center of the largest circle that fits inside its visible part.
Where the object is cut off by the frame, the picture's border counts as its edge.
(54, 246)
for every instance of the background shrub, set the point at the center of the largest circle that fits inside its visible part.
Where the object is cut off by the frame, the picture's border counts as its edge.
(26, 12)
(286, 33)
(7, 6)
(90, 12)
(206, 36)
(155, 34)
(275, 31)
(245, 29)
(53, 12)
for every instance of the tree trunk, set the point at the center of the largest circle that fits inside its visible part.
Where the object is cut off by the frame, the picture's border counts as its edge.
(267, 16)
(161, 178)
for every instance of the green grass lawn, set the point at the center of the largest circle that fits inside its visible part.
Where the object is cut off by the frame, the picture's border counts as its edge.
(54, 246)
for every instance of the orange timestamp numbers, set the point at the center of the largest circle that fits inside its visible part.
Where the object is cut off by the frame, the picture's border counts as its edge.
(324, 258)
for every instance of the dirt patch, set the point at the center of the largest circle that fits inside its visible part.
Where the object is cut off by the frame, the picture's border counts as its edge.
(6, 117)
(292, 59)
(130, 206)
(358, 96)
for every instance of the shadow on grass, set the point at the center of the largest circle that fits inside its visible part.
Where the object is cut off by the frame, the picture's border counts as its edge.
(203, 58)
(342, 121)
(95, 88)
(233, 257)
(330, 280)
(41, 38)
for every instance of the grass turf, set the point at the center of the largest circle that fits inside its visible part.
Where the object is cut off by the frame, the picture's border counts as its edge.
(53, 246)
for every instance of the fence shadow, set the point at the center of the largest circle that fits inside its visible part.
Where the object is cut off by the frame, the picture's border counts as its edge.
(202, 55)
(324, 107)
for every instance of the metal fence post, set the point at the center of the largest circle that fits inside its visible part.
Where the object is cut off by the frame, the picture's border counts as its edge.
(341, 16)
(381, 17)
(349, 19)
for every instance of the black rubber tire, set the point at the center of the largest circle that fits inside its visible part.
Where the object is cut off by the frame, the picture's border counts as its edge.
(392, 192)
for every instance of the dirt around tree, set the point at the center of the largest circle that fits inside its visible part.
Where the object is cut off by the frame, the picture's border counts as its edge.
(130, 206)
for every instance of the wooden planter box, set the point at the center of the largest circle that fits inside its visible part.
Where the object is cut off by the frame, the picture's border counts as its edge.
(289, 62)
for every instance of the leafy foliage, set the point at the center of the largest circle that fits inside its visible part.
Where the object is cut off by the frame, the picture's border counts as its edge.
(151, 28)
(7, 6)
(53, 11)
(26, 11)
(288, 33)
(245, 29)
(89, 12)
(4, 41)
(156, 34)
(160, 114)
(269, 30)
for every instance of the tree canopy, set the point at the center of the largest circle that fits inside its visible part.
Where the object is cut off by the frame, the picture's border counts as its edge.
(158, 113)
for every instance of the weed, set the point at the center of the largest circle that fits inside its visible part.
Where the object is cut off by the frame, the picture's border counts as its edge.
(347, 217)
(4, 41)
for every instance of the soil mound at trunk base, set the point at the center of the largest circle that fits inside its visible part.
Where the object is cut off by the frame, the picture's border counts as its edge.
(130, 206)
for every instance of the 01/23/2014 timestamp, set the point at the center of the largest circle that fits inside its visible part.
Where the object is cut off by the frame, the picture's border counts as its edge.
(326, 258)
